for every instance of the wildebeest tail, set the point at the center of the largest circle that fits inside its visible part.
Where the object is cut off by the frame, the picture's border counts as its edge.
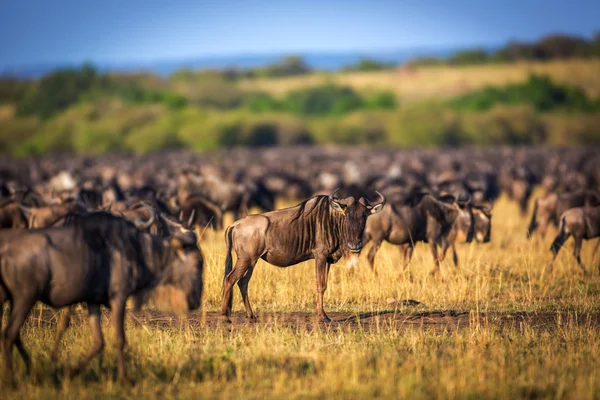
(228, 258)
(561, 237)
(533, 223)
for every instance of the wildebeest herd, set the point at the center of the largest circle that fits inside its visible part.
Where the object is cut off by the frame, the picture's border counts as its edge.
(101, 230)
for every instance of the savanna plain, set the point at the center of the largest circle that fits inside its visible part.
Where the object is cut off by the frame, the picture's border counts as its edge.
(499, 326)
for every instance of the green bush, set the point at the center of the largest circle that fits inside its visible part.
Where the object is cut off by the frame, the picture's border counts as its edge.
(384, 100)
(260, 102)
(57, 91)
(538, 91)
(327, 99)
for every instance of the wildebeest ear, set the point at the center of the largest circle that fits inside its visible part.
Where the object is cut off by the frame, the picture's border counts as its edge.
(337, 206)
(376, 208)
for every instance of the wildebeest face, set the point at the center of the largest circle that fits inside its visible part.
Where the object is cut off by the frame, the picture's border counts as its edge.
(483, 224)
(356, 213)
(463, 225)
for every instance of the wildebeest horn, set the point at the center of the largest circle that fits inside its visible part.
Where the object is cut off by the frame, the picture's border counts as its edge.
(382, 202)
(143, 225)
(191, 220)
(332, 197)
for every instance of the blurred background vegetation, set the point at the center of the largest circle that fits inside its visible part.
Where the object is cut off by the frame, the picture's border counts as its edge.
(547, 92)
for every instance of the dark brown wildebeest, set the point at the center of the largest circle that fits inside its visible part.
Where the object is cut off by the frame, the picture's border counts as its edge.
(321, 228)
(581, 223)
(97, 259)
(11, 216)
(45, 216)
(421, 218)
(202, 212)
(146, 219)
(549, 208)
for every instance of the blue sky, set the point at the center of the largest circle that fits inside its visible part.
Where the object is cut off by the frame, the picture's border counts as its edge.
(40, 31)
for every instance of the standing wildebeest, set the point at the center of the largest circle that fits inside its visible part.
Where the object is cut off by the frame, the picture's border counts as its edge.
(549, 208)
(320, 228)
(98, 259)
(472, 222)
(421, 218)
(581, 223)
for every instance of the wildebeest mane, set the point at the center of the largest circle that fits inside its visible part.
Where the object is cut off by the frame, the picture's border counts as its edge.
(302, 206)
(105, 232)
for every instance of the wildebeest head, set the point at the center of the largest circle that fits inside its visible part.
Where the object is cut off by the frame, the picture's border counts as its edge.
(463, 224)
(482, 217)
(355, 213)
(180, 290)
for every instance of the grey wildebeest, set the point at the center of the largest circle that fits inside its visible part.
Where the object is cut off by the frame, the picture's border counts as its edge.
(548, 208)
(583, 223)
(320, 228)
(421, 218)
(97, 259)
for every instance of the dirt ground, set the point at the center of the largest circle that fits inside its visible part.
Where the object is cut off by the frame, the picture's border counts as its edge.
(439, 321)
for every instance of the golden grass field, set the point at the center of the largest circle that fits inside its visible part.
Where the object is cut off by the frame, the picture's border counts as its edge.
(500, 326)
(442, 82)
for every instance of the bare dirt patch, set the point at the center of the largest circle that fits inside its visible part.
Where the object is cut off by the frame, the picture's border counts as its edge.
(440, 321)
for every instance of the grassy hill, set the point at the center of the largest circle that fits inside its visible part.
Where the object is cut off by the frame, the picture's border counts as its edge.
(554, 102)
(412, 84)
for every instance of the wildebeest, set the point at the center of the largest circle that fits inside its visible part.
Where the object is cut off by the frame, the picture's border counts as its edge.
(11, 215)
(548, 208)
(320, 228)
(581, 223)
(421, 218)
(97, 259)
(473, 222)
(45, 216)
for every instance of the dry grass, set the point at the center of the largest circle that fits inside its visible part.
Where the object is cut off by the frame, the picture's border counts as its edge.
(439, 82)
(482, 358)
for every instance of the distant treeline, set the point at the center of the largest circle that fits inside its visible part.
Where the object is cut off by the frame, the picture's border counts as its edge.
(59, 90)
(550, 47)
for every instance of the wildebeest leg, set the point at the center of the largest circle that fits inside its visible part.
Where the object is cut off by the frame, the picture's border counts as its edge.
(63, 324)
(98, 346)
(11, 335)
(436, 259)
(577, 252)
(559, 240)
(454, 255)
(543, 228)
(322, 269)
(118, 315)
(243, 285)
(371, 255)
(241, 266)
(445, 247)
(408, 252)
